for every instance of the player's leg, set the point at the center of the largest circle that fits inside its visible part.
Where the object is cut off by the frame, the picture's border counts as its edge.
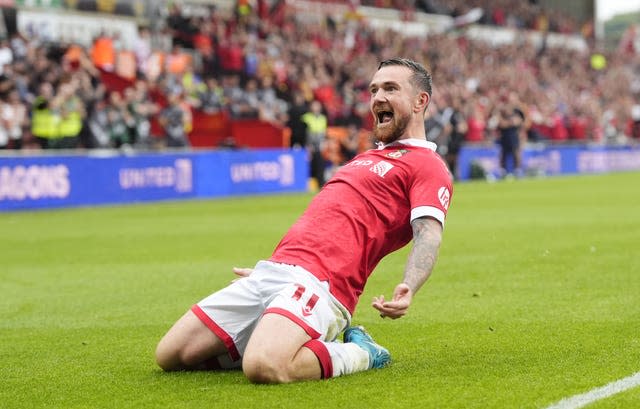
(280, 351)
(276, 353)
(295, 338)
(212, 335)
(189, 344)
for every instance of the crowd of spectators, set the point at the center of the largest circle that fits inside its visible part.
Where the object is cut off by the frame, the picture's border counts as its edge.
(528, 14)
(256, 63)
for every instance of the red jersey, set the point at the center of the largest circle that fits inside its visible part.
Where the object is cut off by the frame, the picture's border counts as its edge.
(364, 213)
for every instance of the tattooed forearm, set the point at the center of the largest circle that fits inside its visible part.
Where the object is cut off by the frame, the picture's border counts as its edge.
(427, 235)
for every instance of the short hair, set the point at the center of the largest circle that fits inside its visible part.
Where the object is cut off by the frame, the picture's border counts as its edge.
(421, 77)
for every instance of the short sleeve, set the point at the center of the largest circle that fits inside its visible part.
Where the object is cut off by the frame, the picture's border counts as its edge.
(431, 190)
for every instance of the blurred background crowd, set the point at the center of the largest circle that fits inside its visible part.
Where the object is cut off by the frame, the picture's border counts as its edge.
(308, 72)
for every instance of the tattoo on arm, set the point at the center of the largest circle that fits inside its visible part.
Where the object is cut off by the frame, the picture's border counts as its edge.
(427, 236)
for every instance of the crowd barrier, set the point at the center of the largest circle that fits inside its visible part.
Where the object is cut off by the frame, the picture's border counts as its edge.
(99, 177)
(549, 160)
(48, 181)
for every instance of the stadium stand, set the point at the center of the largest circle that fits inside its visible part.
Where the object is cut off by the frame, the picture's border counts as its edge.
(236, 69)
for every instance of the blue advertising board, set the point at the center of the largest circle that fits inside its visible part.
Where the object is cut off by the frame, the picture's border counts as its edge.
(252, 171)
(549, 160)
(28, 182)
(46, 181)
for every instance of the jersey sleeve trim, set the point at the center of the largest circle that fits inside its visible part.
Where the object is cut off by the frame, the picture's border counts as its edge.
(429, 211)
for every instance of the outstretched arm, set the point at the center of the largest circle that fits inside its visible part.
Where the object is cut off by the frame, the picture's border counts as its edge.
(427, 236)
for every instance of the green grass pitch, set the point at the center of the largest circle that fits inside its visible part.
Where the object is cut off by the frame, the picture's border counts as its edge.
(536, 297)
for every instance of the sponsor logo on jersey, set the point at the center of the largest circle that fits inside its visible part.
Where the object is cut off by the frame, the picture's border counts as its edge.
(360, 162)
(397, 154)
(444, 196)
(381, 168)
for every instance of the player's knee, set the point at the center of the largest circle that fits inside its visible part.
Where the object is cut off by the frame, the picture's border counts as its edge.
(165, 359)
(166, 356)
(262, 369)
(171, 357)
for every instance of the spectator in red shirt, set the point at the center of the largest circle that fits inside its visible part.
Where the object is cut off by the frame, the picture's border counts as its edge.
(476, 125)
(577, 126)
(559, 131)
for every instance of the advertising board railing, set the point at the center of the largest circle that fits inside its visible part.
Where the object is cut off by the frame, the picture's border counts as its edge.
(550, 160)
(46, 181)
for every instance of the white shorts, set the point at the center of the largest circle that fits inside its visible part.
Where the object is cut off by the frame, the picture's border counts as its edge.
(291, 291)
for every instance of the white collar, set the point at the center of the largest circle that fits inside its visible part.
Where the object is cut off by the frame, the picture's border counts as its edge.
(422, 143)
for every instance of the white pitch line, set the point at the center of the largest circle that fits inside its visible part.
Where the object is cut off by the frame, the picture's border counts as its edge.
(578, 401)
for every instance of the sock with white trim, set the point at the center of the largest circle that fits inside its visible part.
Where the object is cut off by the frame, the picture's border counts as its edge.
(347, 358)
(338, 358)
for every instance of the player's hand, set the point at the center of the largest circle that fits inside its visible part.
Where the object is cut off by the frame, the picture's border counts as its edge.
(398, 306)
(241, 272)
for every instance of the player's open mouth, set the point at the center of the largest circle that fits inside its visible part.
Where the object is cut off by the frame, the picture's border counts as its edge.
(384, 116)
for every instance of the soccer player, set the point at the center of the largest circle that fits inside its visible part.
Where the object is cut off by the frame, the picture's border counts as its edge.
(280, 320)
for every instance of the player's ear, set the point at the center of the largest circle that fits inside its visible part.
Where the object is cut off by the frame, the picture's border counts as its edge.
(422, 101)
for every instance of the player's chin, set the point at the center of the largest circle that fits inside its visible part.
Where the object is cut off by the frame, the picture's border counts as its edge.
(384, 134)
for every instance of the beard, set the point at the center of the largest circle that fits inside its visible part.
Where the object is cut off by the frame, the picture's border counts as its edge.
(392, 131)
